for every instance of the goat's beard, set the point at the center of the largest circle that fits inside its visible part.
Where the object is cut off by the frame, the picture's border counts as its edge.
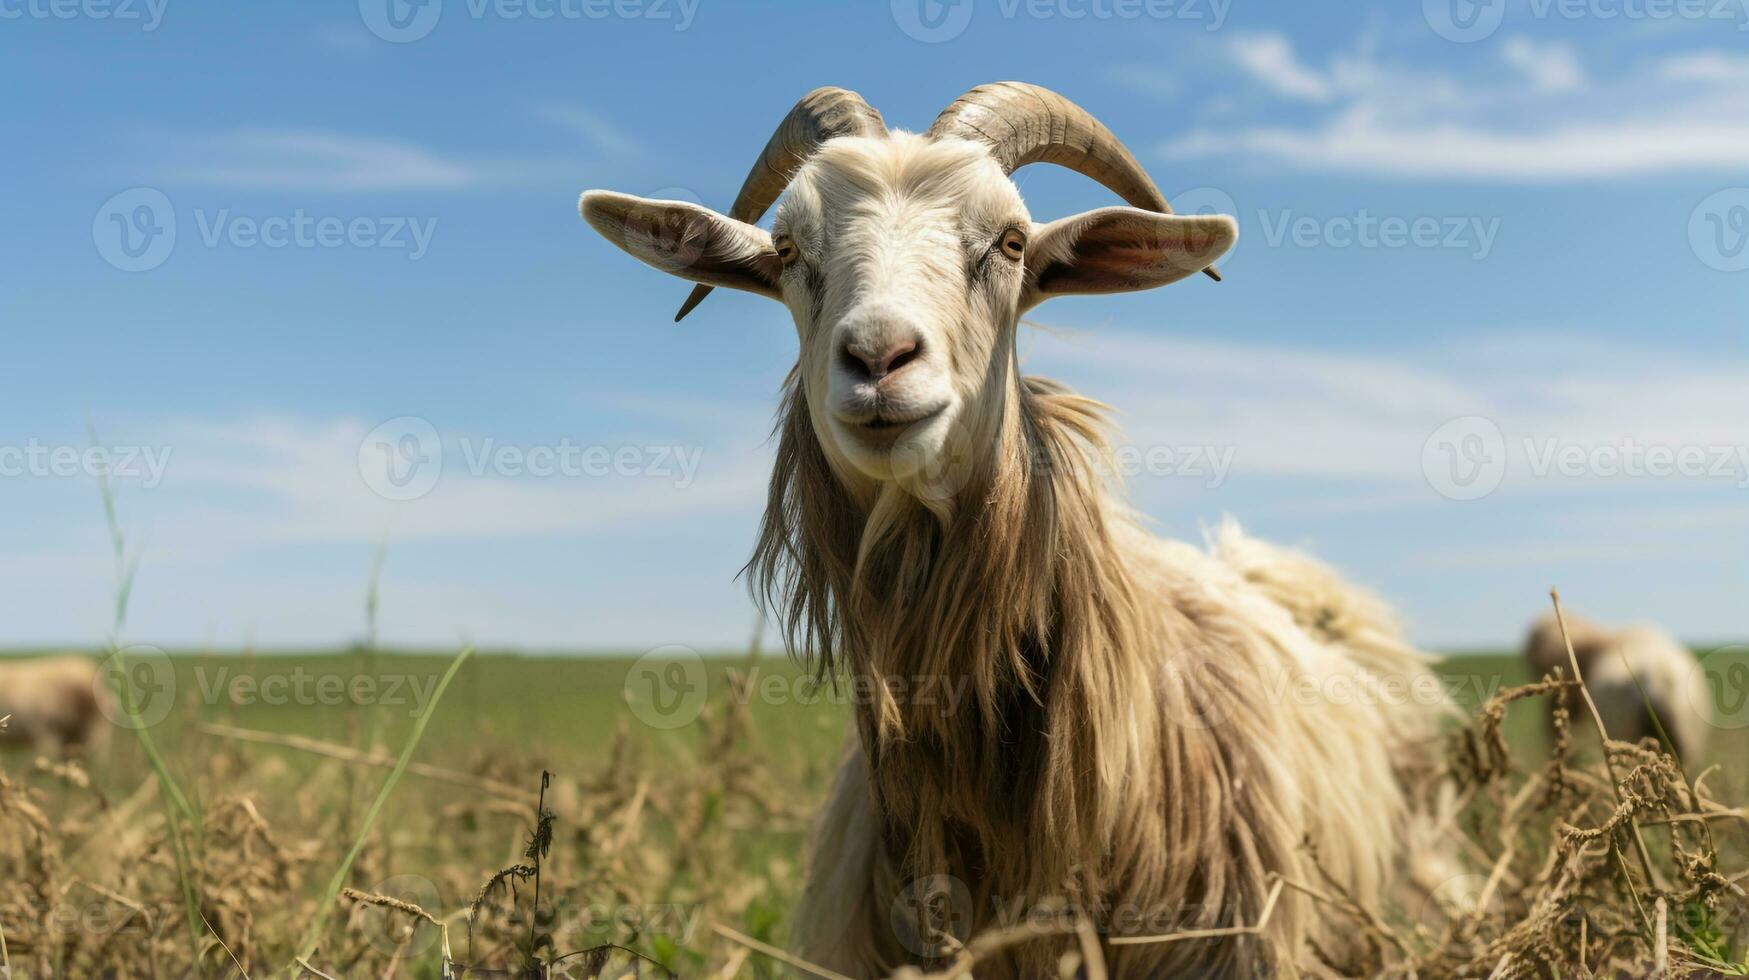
(1014, 592)
(854, 567)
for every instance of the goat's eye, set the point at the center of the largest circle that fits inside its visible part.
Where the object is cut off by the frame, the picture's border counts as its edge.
(786, 249)
(1013, 243)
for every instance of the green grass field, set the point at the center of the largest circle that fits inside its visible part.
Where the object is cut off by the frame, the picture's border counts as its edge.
(570, 707)
(560, 712)
(566, 709)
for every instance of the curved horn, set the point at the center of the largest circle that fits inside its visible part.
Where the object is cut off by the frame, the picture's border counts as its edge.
(821, 115)
(1024, 124)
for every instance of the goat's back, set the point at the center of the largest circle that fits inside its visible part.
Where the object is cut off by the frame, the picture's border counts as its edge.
(1642, 669)
(1545, 650)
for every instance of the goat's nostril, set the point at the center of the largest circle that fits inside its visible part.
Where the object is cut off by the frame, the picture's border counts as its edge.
(900, 355)
(873, 364)
(855, 364)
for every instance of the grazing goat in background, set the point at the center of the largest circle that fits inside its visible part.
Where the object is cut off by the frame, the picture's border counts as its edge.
(57, 703)
(1140, 741)
(1630, 672)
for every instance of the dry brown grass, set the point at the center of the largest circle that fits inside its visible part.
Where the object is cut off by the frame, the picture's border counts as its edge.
(630, 856)
(1573, 872)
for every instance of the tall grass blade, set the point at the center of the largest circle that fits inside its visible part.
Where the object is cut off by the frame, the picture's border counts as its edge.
(372, 602)
(331, 894)
(175, 801)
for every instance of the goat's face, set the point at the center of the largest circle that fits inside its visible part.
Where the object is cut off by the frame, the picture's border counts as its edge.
(902, 264)
(906, 260)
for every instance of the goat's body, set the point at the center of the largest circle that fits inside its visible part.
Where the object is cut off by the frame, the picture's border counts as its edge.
(1247, 726)
(55, 703)
(1645, 664)
(1631, 672)
(1153, 733)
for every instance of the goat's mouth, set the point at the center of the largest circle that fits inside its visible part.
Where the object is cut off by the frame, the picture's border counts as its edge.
(878, 424)
(883, 430)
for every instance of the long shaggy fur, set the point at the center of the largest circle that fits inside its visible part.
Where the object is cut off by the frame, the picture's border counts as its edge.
(1154, 730)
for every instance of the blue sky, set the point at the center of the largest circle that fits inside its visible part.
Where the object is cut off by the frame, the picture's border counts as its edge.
(1485, 247)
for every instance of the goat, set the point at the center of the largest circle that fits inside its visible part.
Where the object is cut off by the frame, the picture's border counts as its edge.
(1130, 746)
(57, 703)
(1630, 673)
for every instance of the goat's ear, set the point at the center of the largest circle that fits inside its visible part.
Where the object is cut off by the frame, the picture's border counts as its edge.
(687, 240)
(1119, 250)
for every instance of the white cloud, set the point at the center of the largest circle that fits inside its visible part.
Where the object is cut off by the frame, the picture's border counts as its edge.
(1145, 78)
(264, 526)
(290, 158)
(601, 134)
(1386, 119)
(1705, 66)
(309, 159)
(289, 479)
(1551, 67)
(1543, 554)
(1361, 142)
(1270, 59)
(1292, 413)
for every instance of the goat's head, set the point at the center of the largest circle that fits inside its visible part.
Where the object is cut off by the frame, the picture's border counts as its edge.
(906, 260)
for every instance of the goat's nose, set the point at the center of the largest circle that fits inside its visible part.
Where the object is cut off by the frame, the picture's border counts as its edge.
(874, 361)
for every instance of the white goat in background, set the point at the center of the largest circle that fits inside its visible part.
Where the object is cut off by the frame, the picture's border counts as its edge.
(57, 703)
(1630, 672)
(1138, 742)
